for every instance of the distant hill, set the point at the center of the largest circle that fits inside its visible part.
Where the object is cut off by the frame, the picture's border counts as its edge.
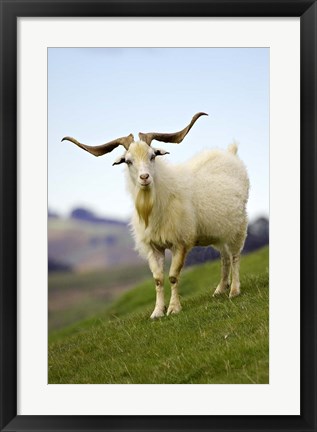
(85, 242)
(55, 266)
(88, 216)
(51, 214)
(258, 234)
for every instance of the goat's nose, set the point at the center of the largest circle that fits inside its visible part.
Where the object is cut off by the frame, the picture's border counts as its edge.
(144, 176)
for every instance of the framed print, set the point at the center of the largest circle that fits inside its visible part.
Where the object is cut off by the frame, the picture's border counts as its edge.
(70, 68)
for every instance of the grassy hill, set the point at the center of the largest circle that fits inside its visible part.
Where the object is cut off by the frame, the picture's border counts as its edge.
(213, 340)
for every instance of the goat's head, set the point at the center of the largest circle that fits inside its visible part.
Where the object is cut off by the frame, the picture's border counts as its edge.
(139, 155)
(140, 160)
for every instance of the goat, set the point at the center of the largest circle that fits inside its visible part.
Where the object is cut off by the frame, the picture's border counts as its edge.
(200, 202)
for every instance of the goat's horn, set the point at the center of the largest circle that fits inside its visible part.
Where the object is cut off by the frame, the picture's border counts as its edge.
(175, 138)
(104, 148)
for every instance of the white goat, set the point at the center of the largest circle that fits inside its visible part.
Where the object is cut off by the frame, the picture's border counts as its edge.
(201, 202)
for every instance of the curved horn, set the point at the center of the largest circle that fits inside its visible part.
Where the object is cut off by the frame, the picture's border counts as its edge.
(104, 148)
(175, 138)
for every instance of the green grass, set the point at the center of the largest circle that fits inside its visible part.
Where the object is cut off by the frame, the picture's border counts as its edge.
(213, 340)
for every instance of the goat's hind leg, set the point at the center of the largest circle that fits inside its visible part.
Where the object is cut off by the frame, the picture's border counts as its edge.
(156, 263)
(235, 285)
(236, 249)
(224, 283)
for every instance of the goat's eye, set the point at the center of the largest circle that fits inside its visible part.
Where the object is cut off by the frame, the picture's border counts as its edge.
(152, 157)
(128, 162)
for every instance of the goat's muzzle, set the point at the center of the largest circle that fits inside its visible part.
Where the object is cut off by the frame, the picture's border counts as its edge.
(144, 176)
(145, 180)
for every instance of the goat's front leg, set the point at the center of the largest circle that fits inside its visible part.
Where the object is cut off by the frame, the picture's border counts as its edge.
(178, 259)
(156, 263)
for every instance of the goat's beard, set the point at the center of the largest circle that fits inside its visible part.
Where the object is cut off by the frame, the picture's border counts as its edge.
(144, 204)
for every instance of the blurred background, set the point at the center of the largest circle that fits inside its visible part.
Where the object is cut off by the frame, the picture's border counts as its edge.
(99, 94)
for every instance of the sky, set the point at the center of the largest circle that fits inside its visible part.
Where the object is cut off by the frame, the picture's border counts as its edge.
(98, 94)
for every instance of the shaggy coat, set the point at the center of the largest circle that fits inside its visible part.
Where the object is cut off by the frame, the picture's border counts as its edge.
(200, 202)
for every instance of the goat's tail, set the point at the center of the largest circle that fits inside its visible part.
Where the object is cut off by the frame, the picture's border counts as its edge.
(233, 148)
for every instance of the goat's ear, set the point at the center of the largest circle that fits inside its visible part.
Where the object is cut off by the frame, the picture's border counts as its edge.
(160, 152)
(119, 161)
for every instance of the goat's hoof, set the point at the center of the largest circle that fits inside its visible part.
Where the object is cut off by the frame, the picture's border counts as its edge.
(218, 293)
(234, 292)
(157, 313)
(174, 309)
(220, 290)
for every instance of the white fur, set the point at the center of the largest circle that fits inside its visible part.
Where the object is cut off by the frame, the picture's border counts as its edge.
(200, 202)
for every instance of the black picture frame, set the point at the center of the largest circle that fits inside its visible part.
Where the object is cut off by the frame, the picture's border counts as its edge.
(10, 11)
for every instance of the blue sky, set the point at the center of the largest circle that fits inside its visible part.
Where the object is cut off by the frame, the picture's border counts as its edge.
(99, 94)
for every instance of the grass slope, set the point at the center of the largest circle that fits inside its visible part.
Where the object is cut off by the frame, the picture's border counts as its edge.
(213, 340)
